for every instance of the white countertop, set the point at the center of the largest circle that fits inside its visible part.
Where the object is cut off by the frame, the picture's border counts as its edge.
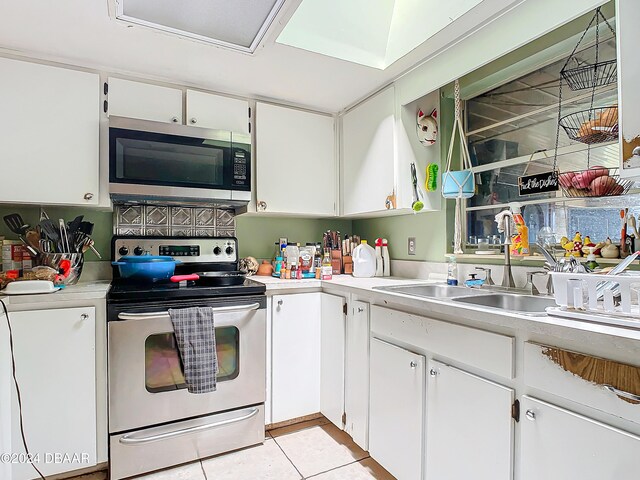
(80, 292)
(277, 285)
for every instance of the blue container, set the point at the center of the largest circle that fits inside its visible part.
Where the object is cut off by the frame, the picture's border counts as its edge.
(146, 267)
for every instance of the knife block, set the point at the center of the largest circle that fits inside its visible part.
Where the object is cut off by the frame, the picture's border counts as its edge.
(347, 264)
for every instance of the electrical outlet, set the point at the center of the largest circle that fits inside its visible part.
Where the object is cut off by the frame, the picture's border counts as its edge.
(411, 246)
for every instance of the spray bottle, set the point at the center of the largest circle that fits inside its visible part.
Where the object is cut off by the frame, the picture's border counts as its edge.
(519, 241)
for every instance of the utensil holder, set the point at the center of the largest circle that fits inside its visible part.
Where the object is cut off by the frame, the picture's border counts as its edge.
(53, 260)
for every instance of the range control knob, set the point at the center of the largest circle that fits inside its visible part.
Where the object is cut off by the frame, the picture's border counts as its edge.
(229, 250)
(138, 251)
(217, 251)
(123, 251)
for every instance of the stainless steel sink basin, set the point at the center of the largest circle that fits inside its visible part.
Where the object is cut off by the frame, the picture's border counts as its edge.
(431, 291)
(514, 303)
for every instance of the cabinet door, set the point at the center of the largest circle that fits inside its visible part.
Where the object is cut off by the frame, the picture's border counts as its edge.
(295, 149)
(397, 410)
(368, 154)
(469, 427)
(357, 374)
(144, 101)
(219, 113)
(49, 131)
(558, 444)
(332, 338)
(627, 21)
(55, 367)
(296, 356)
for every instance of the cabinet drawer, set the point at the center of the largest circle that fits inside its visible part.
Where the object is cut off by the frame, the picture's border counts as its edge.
(596, 382)
(491, 352)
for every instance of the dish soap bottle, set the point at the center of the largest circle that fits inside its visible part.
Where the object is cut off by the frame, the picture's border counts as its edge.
(452, 270)
(386, 260)
(364, 260)
(379, 261)
(519, 241)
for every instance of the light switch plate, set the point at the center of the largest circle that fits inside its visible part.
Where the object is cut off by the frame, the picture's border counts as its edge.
(411, 246)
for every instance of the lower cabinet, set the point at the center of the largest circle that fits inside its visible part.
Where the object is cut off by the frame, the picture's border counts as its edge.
(397, 409)
(55, 367)
(557, 444)
(469, 426)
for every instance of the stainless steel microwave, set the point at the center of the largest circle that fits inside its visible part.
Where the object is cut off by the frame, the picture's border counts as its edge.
(156, 161)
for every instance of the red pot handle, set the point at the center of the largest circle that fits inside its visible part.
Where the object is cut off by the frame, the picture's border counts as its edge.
(184, 278)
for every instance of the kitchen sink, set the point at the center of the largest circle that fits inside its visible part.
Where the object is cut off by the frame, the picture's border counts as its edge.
(432, 291)
(514, 303)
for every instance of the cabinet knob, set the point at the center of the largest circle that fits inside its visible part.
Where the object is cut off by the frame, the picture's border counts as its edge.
(280, 303)
(433, 372)
(636, 152)
(84, 316)
(530, 414)
(88, 196)
(262, 206)
(174, 119)
(194, 120)
(360, 309)
(413, 364)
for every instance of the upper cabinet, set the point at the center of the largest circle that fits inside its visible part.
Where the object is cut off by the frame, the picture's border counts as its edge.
(49, 130)
(627, 21)
(144, 101)
(216, 112)
(368, 152)
(295, 148)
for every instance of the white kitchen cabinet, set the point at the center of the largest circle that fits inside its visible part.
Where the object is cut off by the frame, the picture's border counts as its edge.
(469, 427)
(627, 21)
(217, 112)
(557, 444)
(296, 149)
(332, 350)
(49, 131)
(357, 374)
(397, 409)
(368, 154)
(144, 101)
(295, 355)
(55, 367)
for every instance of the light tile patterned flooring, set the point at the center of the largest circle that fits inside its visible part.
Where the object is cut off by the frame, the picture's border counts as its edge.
(315, 450)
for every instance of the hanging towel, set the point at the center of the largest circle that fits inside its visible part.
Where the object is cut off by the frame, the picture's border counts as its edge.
(196, 339)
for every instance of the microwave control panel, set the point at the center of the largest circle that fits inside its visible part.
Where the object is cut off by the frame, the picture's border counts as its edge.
(240, 162)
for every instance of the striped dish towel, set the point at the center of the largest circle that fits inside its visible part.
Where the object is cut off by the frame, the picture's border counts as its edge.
(196, 339)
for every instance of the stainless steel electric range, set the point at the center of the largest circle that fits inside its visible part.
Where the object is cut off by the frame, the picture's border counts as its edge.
(154, 422)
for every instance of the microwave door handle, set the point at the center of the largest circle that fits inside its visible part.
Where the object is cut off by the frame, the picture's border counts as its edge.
(159, 315)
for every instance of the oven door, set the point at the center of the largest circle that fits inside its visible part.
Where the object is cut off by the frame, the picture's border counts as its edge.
(146, 382)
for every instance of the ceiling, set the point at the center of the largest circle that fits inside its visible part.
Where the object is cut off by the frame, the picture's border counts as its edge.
(85, 33)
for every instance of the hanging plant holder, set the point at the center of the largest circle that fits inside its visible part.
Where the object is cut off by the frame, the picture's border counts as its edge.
(591, 76)
(595, 125)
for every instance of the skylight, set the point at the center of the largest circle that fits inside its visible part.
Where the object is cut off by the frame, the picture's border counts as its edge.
(237, 24)
(376, 33)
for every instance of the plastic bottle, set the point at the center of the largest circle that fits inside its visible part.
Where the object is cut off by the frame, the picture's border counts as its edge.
(379, 261)
(386, 260)
(452, 270)
(364, 260)
(519, 241)
(327, 268)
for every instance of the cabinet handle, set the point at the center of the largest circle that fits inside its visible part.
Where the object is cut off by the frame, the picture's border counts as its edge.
(433, 372)
(530, 414)
(88, 196)
(413, 365)
(174, 119)
(84, 316)
(621, 393)
(194, 120)
(262, 206)
(360, 309)
(280, 302)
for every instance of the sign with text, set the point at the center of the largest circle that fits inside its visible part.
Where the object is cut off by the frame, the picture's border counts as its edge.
(539, 183)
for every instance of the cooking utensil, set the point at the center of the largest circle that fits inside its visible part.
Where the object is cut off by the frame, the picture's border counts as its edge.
(89, 244)
(51, 232)
(74, 225)
(64, 237)
(16, 224)
(217, 279)
(148, 268)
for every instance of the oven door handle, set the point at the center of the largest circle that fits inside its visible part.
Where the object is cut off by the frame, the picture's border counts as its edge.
(152, 315)
(131, 439)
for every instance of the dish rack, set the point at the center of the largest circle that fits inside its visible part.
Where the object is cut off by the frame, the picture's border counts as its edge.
(612, 299)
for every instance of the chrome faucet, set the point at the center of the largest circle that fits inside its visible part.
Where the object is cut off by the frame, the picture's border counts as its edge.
(530, 286)
(507, 275)
(488, 281)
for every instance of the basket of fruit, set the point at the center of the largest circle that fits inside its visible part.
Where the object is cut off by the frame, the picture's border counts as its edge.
(593, 182)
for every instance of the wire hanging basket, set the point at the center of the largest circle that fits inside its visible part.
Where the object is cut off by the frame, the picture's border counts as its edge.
(591, 126)
(594, 182)
(591, 76)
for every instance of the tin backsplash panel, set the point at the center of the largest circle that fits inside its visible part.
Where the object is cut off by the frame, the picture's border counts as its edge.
(161, 221)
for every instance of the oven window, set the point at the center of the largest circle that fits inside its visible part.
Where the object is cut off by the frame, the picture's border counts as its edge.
(163, 367)
(163, 163)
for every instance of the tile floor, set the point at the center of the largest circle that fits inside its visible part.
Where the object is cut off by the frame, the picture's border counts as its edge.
(315, 450)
